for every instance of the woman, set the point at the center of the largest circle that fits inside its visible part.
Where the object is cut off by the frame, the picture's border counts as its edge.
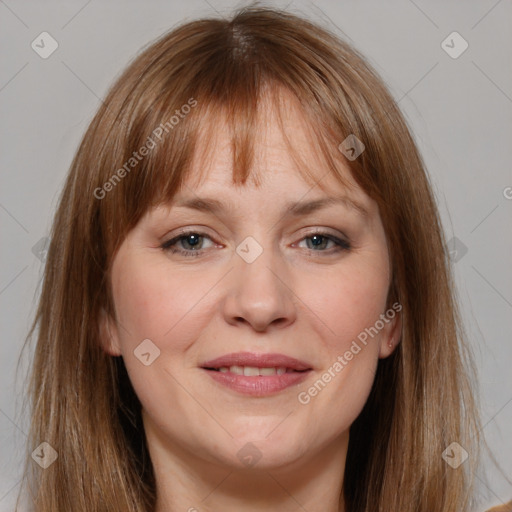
(247, 302)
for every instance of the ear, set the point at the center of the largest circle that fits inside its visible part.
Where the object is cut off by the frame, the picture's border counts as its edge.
(109, 338)
(392, 332)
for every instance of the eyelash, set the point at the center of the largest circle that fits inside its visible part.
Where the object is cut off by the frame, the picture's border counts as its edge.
(343, 245)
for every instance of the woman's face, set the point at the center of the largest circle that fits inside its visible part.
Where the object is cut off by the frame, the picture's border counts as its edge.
(253, 278)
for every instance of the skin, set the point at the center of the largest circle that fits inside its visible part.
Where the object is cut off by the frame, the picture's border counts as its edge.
(306, 302)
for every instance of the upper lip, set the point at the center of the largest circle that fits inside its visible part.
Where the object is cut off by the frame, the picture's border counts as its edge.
(257, 361)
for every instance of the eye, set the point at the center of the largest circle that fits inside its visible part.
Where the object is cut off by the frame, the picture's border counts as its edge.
(192, 243)
(192, 239)
(319, 239)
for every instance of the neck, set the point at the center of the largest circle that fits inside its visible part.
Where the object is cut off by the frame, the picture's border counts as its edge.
(187, 482)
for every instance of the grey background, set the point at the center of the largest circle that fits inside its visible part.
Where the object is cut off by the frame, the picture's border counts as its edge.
(460, 111)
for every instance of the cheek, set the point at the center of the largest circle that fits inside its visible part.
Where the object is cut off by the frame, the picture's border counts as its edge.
(153, 303)
(166, 308)
(347, 302)
(347, 306)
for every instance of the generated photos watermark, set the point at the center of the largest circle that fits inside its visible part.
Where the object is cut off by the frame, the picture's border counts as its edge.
(342, 361)
(151, 142)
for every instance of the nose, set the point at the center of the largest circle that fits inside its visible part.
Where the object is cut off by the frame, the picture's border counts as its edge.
(260, 293)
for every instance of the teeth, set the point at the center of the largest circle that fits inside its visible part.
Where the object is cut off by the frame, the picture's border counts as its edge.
(252, 371)
(239, 370)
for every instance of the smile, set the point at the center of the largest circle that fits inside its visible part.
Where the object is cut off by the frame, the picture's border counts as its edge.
(257, 374)
(252, 371)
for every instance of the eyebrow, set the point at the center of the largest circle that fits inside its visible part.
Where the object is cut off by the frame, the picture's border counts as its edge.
(294, 209)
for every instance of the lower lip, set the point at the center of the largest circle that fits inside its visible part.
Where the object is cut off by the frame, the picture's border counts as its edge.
(260, 385)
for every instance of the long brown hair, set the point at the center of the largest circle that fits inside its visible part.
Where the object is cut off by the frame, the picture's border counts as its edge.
(82, 402)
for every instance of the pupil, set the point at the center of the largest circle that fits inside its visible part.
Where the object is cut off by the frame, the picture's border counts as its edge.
(316, 240)
(193, 237)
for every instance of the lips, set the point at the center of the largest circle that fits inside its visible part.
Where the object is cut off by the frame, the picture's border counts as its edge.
(254, 360)
(257, 375)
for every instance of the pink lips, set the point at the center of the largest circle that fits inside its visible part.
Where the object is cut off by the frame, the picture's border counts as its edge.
(258, 385)
(257, 360)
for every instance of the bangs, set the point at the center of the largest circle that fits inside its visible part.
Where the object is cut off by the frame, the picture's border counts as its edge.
(183, 147)
(177, 94)
(167, 109)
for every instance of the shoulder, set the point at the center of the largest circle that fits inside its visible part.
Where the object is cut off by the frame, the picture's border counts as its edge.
(506, 507)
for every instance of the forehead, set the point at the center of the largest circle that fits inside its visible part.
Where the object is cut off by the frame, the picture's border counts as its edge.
(285, 150)
(281, 184)
(288, 173)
